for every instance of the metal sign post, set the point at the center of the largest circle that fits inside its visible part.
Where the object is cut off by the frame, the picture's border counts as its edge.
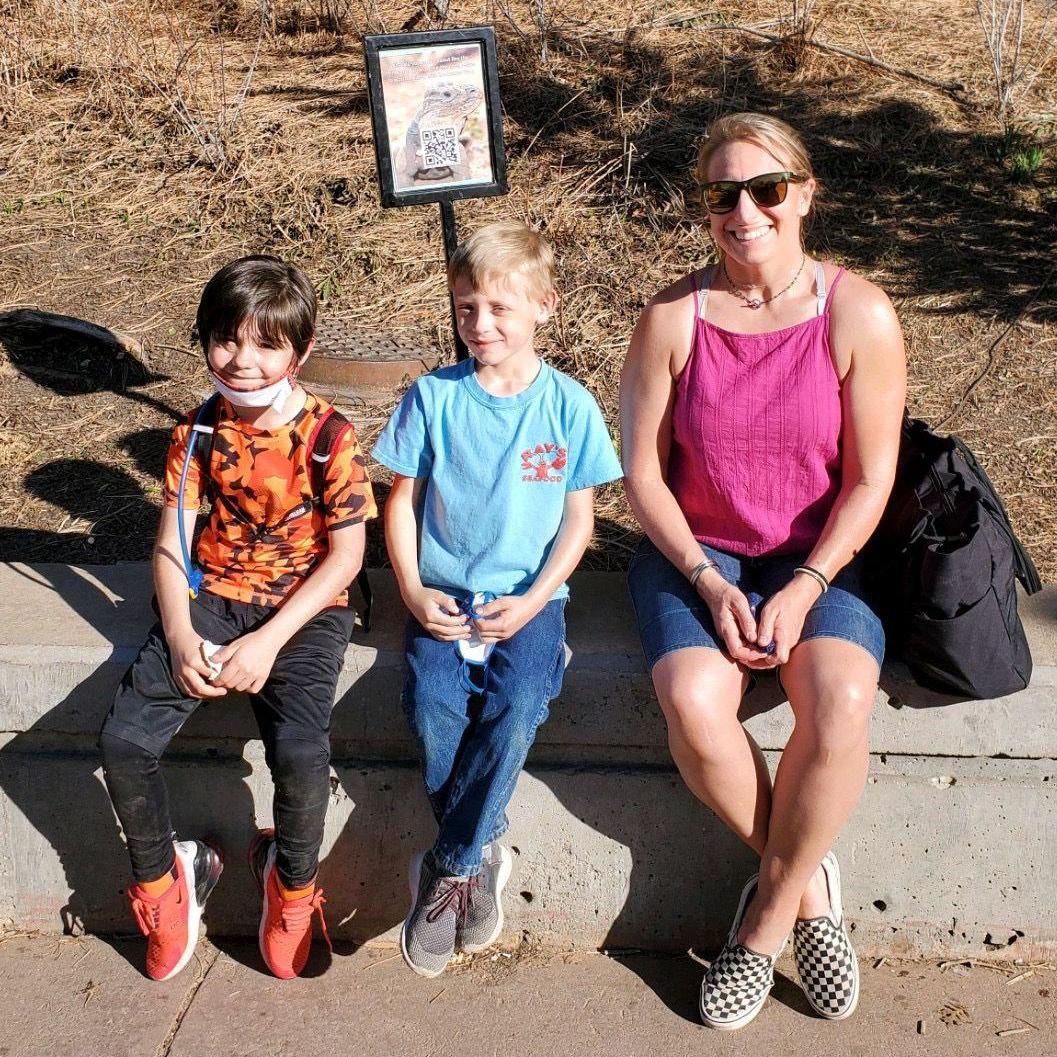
(451, 244)
(438, 122)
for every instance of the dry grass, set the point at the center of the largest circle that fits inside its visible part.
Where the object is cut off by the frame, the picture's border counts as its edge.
(138, 152)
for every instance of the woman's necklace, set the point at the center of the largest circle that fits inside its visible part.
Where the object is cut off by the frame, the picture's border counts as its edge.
(756, 302)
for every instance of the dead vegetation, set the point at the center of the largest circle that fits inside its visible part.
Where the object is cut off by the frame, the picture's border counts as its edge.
(144, 144)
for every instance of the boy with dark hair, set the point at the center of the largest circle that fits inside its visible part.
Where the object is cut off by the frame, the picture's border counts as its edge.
(267, 613)
(495, 462)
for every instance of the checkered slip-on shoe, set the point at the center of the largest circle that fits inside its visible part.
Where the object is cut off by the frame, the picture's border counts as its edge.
(825, 960)
(738, 981)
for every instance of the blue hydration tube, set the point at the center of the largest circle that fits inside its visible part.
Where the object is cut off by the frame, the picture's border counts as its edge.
(191, 571)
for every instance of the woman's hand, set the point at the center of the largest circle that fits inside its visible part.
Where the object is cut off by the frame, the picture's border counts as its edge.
(732, 616)
(782, 617)
(247, 662)
(438, 613)
(189, 666)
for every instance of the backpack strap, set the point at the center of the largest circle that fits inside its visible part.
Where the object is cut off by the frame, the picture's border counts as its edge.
(1026, 571)
(203, 423)
(206, 419)
(322, 443)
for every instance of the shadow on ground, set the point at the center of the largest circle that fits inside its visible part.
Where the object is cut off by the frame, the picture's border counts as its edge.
(902, 190)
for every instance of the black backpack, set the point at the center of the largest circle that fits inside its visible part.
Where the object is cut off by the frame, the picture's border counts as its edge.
(942, 569)
(322, 442)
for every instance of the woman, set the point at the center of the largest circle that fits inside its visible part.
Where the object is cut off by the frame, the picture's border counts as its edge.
(760, 407)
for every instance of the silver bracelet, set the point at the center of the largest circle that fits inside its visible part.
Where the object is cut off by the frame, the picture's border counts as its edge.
(815, 575)
(702, 566)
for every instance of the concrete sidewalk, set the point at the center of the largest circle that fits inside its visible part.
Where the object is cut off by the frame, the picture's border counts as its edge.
(68, 996)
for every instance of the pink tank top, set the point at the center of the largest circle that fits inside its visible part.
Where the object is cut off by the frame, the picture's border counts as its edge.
(756, 433)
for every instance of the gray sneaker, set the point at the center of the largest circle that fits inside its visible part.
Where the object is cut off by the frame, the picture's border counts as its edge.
(438, 904)
(484, 909)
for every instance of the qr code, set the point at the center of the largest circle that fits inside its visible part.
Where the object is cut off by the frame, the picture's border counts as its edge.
(440, 146)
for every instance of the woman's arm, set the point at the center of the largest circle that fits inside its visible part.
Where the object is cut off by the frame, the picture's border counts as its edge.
(660, 347)
(865, 334)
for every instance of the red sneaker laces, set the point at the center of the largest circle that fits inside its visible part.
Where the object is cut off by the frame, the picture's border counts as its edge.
(297, 915)
(148, 916)
(147, 911)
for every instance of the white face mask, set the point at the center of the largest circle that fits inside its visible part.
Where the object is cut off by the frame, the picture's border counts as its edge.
(273, 396)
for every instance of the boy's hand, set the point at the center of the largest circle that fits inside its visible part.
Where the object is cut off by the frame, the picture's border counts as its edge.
(439, 614)
(247, 661)
(189, 667)
(505, 617)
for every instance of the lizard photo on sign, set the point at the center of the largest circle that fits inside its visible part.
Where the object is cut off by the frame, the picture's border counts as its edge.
(437, 120)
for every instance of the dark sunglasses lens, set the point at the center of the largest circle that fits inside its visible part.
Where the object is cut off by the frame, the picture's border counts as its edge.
(722, 196)
(768, 190)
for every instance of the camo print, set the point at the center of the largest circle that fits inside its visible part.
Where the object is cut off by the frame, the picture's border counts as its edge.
(265, 474)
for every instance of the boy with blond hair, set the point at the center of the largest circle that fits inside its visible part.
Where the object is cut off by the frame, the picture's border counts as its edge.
(495, 461)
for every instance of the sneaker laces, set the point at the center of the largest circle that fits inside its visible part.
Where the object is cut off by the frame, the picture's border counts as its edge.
(297, 914)
(147, 915)
(451, 894)
(148, 912)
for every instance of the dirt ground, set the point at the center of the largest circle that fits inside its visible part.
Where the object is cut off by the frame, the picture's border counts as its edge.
(143, 145)
(544, 1004)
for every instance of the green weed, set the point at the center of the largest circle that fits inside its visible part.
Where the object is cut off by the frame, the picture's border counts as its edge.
(1024, 165)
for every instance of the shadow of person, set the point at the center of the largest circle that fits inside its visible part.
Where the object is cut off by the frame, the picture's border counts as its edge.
(676, 870)
(50, 768)
(379, 814)
(120, 518)
(72, 356)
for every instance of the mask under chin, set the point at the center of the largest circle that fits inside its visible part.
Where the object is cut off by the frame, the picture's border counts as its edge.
(273, 396)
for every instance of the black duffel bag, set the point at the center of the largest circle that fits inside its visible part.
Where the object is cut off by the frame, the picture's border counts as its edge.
(942, 570)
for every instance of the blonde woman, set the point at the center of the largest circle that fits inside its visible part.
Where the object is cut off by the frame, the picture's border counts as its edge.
(760, 406)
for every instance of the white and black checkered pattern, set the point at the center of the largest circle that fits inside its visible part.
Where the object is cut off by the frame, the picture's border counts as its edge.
(735, 987)
(827, 966)
(825, 959)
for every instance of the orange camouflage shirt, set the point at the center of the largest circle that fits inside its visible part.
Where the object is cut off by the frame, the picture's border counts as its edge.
(264, 474)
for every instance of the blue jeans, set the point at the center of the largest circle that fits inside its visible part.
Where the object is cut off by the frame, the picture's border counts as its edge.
(473, 746)
(672, 616)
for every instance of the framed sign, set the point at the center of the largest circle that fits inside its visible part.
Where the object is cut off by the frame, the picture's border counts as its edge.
(438, 123)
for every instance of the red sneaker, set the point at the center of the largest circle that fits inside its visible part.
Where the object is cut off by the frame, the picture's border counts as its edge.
(170, 922)
(285, 934)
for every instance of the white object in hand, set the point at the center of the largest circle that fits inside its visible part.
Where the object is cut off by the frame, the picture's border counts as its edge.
(473, 649)
(208, 649)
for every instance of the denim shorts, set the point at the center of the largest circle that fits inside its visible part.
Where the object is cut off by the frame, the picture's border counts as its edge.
(671, 615)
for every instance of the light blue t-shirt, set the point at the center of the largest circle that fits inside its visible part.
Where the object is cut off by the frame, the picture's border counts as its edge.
(497, 469)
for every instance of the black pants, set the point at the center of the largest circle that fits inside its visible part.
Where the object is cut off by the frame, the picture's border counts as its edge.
(292, 711)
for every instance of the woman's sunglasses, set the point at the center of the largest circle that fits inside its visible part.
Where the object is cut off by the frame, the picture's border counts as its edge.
(767, 190)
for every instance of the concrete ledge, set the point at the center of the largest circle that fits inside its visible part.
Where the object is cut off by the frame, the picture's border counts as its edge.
(951, 851)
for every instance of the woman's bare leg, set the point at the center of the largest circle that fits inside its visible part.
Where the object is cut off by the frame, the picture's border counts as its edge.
(699, 690)
(832, 685)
